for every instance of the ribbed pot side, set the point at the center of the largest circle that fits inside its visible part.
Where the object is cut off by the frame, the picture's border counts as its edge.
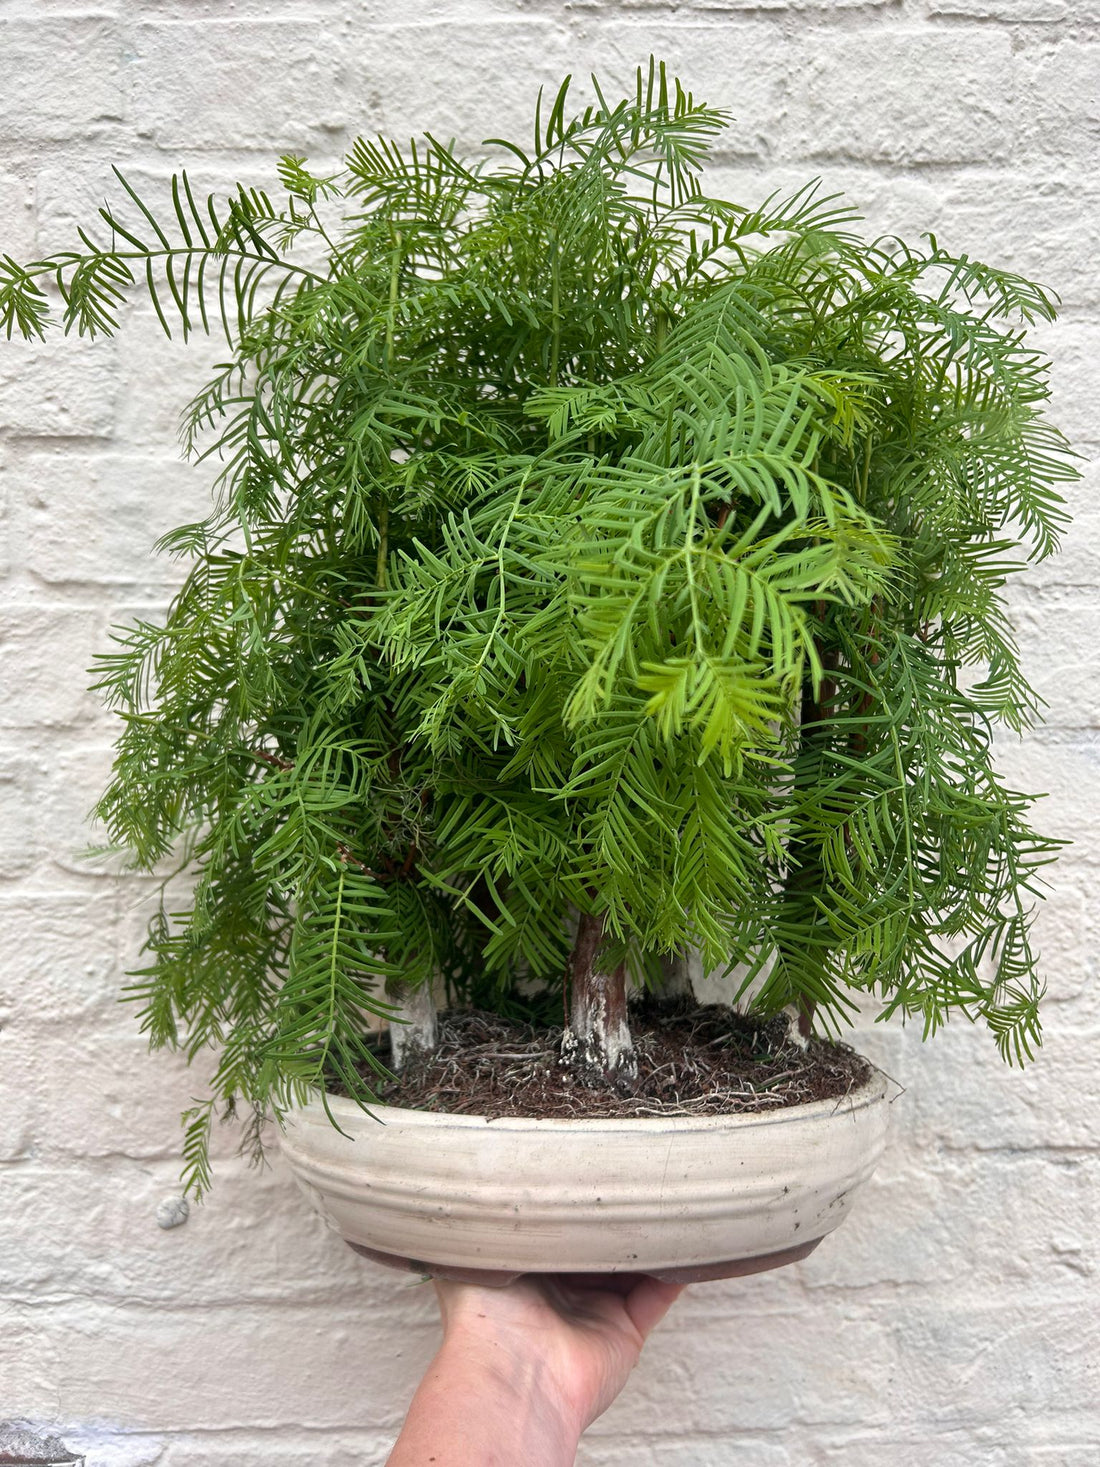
(678, 1197)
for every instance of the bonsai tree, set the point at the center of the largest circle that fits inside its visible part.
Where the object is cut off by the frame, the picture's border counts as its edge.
(599, 572)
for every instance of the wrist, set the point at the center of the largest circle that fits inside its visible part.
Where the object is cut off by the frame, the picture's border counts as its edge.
(482, 1404)
(515, 1377)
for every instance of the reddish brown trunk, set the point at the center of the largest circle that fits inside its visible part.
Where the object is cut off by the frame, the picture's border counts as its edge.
(597, 1044)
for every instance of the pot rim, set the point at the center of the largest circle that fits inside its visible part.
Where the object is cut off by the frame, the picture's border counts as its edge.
(343, 1108)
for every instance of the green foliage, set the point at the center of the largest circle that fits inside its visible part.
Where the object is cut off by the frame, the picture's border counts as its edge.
(581, 543)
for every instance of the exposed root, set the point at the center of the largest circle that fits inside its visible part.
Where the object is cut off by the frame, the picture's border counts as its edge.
(691, 1061)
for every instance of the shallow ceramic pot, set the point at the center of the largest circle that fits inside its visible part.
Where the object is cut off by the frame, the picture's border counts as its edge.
(684, 1198)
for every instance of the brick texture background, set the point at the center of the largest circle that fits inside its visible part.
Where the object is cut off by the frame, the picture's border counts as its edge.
(953, 1322)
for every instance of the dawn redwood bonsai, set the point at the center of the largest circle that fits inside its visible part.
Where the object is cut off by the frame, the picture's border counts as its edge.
(599, 572)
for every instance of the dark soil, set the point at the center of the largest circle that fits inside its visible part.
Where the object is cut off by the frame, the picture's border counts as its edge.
(692, 1061)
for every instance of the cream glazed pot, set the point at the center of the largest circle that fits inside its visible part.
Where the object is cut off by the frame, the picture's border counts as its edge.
(681, 1197)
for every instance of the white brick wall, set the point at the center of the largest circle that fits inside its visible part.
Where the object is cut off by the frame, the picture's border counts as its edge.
(953, 1322)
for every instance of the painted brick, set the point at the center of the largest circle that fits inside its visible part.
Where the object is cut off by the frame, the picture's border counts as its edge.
(97, 1092)
(21, 839)
(62, 388)
(30, 1363)
(497, 70)
(716, 1373)
(1049, 1106)
(1073, 346)
(1045, 227)
(298, 1449)
(105, 1362)
(1077, 564)
(46, 797)
(964, 1219)
(249, 10)
(846, 100)
(1066, 937)
(65, 201)
(164, 376)
(59, 77)
(216, 83)
(1065, 1454)
(675, 1451)
(1061, 115)
(45, 652)
(952, 1450)
(95, 520)
(362, 19)
(885, 203)
(1065, 765)
(821, 10)
(897, 203)
(63, 790)
(1052, 634)
(17, 1117)
(68, 966)
(6, 547)
(1010, 10)
(756, 96)
(103, 1448)
(900, 1232)
(999, 1359)
(112, 1250)
(17, 212)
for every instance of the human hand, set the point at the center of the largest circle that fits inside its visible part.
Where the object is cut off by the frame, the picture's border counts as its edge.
(576, 1336)
(524, 1369)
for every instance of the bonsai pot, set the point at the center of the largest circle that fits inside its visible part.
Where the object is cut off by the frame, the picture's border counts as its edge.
(683, 1198)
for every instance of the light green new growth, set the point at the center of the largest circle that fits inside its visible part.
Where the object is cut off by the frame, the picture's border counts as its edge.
(583, 544)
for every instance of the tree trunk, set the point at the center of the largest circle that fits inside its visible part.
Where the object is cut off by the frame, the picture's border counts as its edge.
(676, 976)
(597, 1045)
(413, 1028)
(806, 877)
